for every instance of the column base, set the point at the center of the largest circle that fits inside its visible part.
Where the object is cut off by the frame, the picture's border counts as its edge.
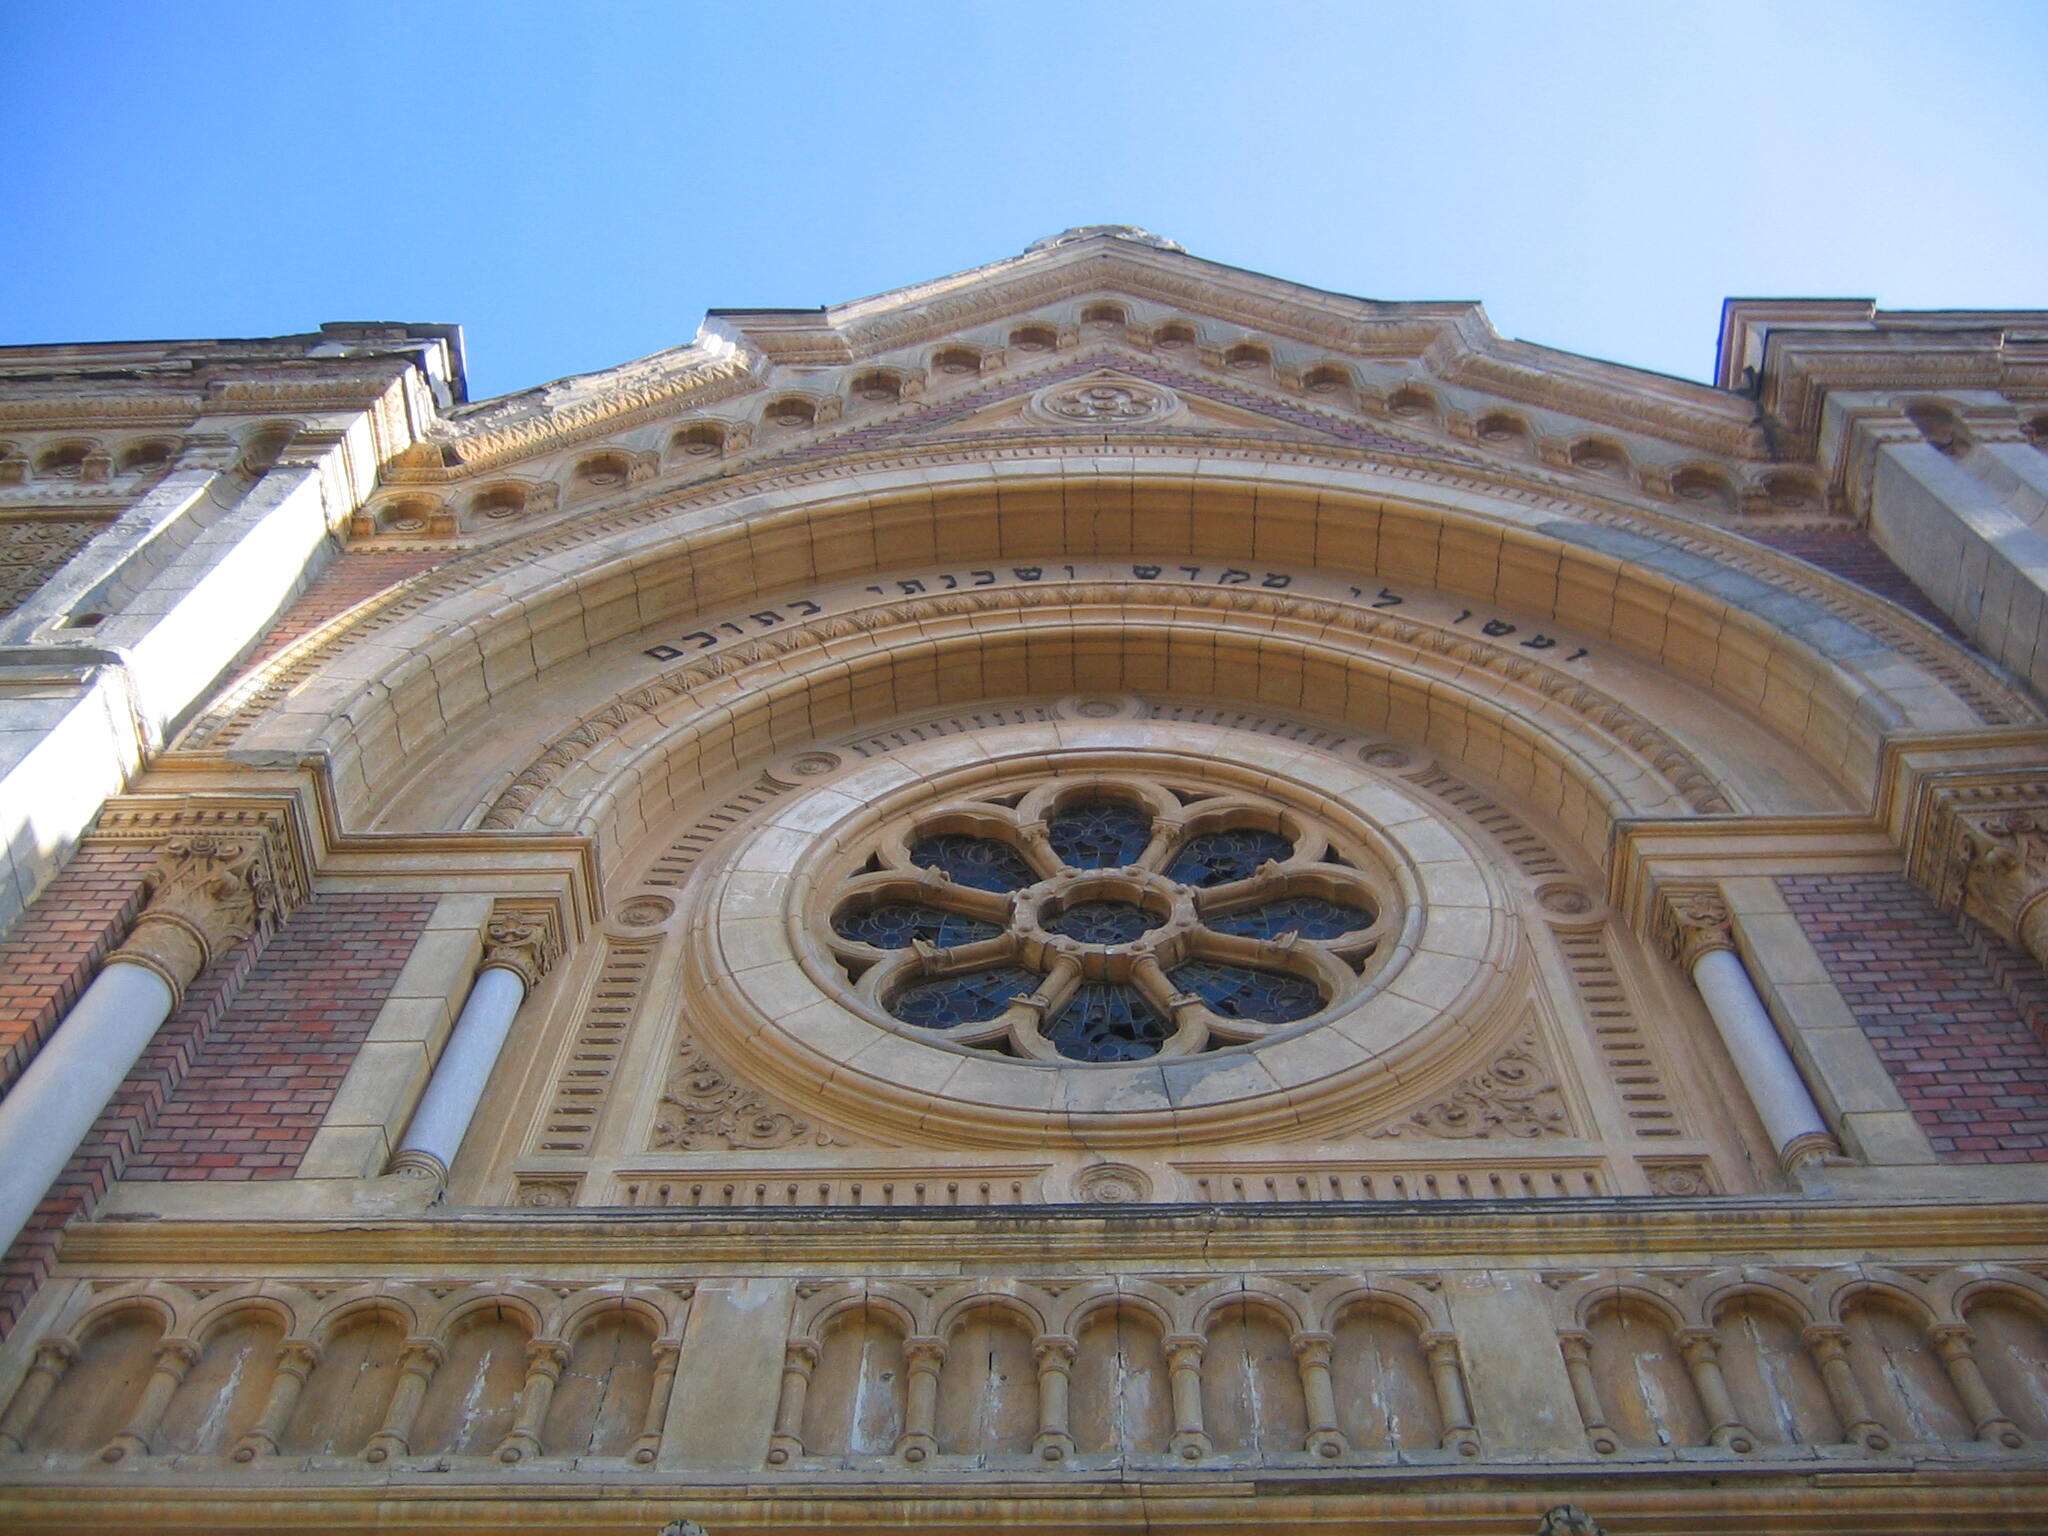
(917, 1449)
(1327, 1443)
(1189, 1445)
(1052, 1446)
(423, 1166)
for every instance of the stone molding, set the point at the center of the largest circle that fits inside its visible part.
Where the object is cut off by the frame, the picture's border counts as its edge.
(1599, 711)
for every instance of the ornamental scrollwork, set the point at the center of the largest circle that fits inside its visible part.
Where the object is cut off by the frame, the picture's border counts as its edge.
(704, 1108)
(1516, 1096)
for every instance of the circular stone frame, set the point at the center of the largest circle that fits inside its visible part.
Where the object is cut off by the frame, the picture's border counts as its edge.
(766, 993)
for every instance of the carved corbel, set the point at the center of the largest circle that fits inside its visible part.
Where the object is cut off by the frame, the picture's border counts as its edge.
(524, 938)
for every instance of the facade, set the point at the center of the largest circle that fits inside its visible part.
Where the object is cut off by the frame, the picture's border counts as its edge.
(1106, 894)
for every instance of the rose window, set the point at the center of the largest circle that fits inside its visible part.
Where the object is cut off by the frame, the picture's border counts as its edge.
(1107, 921)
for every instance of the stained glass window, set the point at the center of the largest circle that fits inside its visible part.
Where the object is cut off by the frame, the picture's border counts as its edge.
(1105, 922)
(1099, 834)
(1217, 858)
(894, 924)
(1108, 1021)
(981, 862)
(1240, 992)
(973, 997)
(1313, 917)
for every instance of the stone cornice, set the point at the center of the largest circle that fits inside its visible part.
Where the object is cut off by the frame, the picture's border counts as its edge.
(1479, 1233)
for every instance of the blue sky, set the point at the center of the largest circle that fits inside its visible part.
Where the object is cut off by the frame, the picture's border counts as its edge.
(576, 184)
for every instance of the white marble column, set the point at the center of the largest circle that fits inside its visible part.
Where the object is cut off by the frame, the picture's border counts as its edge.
(518, 950)
(1705, 943)
(208, 893)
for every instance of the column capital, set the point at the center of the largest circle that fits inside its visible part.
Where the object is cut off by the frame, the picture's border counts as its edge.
(1054, 1351)
(924, 1352)
(1693, 921)
(1184, 1350)
(800, 1355)
(523, 937)
(210, 890)
(1982, 851)
(1312, 1348)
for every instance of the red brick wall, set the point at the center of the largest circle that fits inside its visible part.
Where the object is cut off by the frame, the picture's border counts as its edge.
(1853, 555)
(238, 1078)
(58, 943)
(103, 1154)
(261, 1083)
(1959, 1020)
(346, 582)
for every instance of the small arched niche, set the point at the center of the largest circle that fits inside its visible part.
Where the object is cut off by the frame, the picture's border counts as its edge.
(1104, 317)
(699, 440)
(790, 413)
(857, 1393)
(1386, 1402)
(599, 474)
(1122, 1400)
(1411, 402)
(1035, 338)
(474, 1396)
(223, 1394)
(956, 362)
(1902, 1377)
(497, 503)
(1249, 357)
(1174, 336)
(1642, 1378)
(99, 1392)
(876, 388)
(349, 1392)
(2012, 1351)
(1777, 1388)
(600, 1402)
(1251, 1384)
(988, 1387)
(1706, 488)
(1599, 456)
(1504, 429)
(1327, 379)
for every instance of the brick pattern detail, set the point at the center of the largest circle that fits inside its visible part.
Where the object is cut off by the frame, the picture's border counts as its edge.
(1958, 1018)
(347, 581)
(58, 944)
(261, 1043)
(104, 1153)
(249, 1105)
(1853, 555)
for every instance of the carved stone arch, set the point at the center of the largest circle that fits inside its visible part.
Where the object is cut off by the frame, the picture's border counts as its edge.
(356, 1306)
(1959, 1289)
(172, 1307)
(976, 1300)
(1630, 1290)
(1611, 778)
(898, 1308)
(221, 1310)
(420, 623)
(1835, 1291)
(579, 1309)
(1156, 1302)
(1704, 1297)
(1255, 1292)
(527, 1305)
(1422, 1310)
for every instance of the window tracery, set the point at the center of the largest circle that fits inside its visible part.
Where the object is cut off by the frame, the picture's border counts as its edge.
(1110, 919)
